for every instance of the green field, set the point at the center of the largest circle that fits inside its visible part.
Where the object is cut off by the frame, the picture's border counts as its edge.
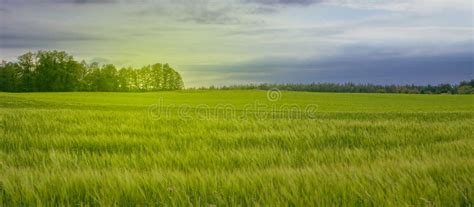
(167, 148)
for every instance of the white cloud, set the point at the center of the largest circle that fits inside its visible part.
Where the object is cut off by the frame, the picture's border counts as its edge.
(409, 35)
(417, 6)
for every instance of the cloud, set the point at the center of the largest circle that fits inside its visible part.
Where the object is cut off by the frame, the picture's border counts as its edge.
(285, 2)
(254, 40)
(416, 6)
(189, 2)
(84, 1)
(208, 12)
(202, 11)
(58, 1)
(357, 63)
(92, 1)
(43, 39)
(393, 5)
(210, 17)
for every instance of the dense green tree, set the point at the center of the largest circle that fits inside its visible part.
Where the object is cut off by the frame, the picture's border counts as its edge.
(176, 81)
(92, 77)
(27, 65)
(144, 75)
(124, 83)
(465, 89)
(82, 74)
(157, 75)
(58, 71)
(445, 88)
(169, 78)
(10, 77)
(108, 78)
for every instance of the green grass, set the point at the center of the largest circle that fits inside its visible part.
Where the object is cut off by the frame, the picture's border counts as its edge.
(357, 149)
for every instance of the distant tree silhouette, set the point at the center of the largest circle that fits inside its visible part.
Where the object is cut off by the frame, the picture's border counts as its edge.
(58, 71)
(465, 87)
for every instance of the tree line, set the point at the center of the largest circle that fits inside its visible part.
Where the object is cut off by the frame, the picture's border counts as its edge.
(464, 87)
(57, 71)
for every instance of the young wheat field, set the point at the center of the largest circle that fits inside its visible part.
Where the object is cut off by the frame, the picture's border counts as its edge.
(244, 148)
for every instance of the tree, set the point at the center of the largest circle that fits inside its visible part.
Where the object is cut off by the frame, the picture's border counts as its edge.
(82, 84)
(92, 77)
(177, 81)
(171, 79)
(27, 66)
(124, 80)
(58, 71)
(108, 80)
(157, 77)
(467, 83)
(9, 77)
(445, 88)
(466, 89)
(145, 77)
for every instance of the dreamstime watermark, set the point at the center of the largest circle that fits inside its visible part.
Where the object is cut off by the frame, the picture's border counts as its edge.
(274, 95)
(269, 109)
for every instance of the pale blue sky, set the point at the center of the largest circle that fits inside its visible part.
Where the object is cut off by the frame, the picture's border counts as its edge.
(218, 42)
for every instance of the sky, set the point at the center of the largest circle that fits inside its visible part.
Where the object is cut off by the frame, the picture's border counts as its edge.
(228, 42)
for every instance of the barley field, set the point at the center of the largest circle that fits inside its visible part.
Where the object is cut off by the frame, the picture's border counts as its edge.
(236, 148)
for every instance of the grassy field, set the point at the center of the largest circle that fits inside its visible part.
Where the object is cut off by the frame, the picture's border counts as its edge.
(180, 149)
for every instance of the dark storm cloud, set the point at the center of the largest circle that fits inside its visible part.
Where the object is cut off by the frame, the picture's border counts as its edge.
(420, 69)
(373, 65)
